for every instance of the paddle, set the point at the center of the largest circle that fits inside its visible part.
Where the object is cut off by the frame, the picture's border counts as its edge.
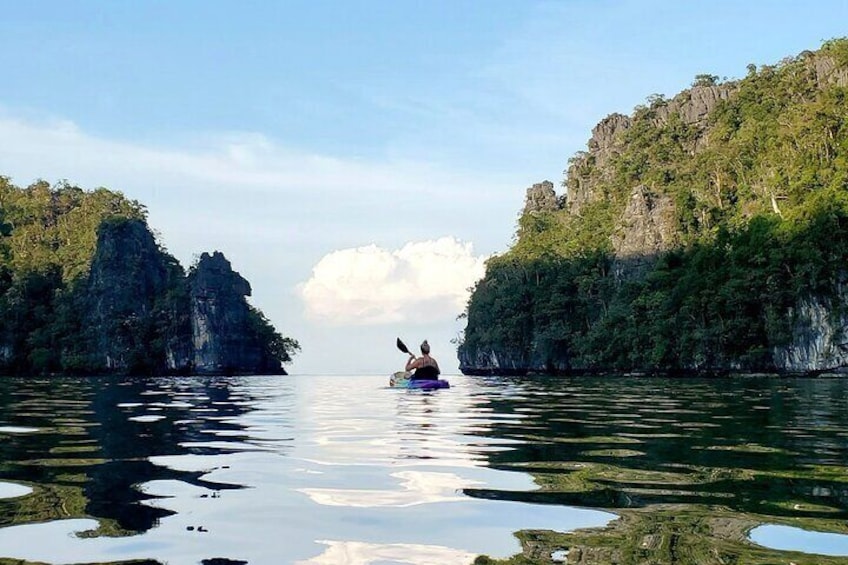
(402, 376)
(402, 346)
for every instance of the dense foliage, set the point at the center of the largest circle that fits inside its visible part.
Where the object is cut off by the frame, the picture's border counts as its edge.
(760, 198)
(47, 240)
(58, 317)
(47, 227)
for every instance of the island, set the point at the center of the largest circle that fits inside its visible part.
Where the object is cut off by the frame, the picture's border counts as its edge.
(703, 234)
(86, 289)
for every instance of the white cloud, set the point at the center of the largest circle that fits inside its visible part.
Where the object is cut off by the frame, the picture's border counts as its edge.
(423, 282)
(250, 161)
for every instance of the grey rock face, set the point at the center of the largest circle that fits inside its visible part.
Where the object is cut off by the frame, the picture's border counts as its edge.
(828, 73)
(126, 276)
(541, 197)
(607, 136)
(217, 303)
(647, 227)
(147, 315)
(694, 105)
(220, 320)
(501, 362)
(606, 141)
(819, 339)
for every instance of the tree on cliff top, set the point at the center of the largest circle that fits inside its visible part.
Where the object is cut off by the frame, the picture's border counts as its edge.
(57, 225)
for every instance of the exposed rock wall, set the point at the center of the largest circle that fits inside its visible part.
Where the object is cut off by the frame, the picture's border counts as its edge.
(606, 141)
(510, 362)
(828, 72)
(501, 362)
(694, 105)
(647, 227)
(819, 336)
(608, 138)
(145, 315)
(541, 197)
(127, 274)
(220, 320)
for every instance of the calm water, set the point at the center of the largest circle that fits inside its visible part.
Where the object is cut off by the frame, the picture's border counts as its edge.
(326, 470)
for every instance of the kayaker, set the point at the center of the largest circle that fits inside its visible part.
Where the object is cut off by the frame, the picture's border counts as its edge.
(426, 368)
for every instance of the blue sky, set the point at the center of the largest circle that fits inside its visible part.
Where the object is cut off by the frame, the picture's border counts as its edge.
(356, 161)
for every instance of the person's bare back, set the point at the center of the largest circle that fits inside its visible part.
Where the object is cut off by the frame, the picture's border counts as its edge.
(425, 367)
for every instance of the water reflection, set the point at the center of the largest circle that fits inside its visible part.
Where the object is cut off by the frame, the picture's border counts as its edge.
(302, 470)
(714, 457)
(256, 470)
(788, 538)
(357, 553)
(91, 448)
(11, 490)
(414, 488)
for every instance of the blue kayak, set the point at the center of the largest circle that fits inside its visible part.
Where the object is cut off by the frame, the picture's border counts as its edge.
(401, 380)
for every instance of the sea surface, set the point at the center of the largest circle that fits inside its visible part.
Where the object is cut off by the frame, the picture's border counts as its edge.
(343, 470)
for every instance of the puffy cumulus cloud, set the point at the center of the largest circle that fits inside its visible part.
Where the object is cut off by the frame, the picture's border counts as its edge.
(422, 282)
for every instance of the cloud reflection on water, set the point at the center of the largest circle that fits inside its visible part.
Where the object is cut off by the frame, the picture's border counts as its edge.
(418, 488)
(358, 553)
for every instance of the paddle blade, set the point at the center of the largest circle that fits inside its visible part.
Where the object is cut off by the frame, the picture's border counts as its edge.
(402, 346)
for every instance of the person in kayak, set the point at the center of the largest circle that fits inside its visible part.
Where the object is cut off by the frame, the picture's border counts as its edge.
(426, 368)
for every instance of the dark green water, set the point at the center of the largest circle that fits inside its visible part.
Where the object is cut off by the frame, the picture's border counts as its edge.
(342, 470)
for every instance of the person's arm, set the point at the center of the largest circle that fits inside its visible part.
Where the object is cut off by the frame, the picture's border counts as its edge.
(413, 363)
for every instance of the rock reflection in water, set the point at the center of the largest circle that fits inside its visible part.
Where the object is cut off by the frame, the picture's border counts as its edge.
(268, 470)
(92, 445)
(188, 471)
(691, 465)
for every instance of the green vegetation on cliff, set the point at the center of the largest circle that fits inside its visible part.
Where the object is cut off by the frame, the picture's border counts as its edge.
(85, 288)
(55, 227)
(690, 235)
(47, 242)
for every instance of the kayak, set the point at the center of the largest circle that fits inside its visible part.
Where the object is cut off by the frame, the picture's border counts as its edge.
(401, 380)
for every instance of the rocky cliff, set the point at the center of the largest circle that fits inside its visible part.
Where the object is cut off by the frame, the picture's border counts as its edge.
(819, 340)
(221, 325)
(705, 232)
(589, 170)
(86, 289)
(146, 316)
(129, 273)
